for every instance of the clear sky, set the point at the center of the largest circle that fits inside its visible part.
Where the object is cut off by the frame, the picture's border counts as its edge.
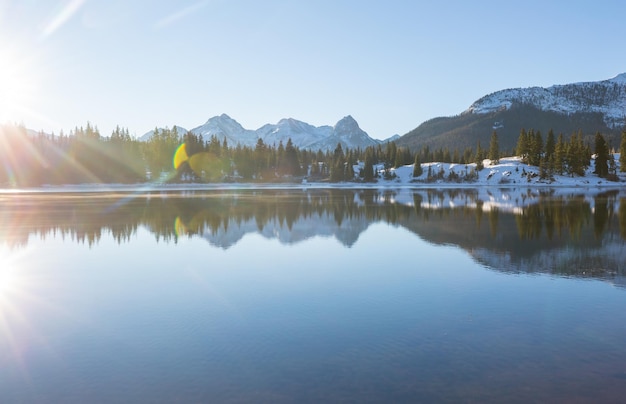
(390, 64)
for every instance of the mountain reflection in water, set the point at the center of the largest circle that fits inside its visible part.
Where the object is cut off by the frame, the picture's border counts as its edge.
(565, 232)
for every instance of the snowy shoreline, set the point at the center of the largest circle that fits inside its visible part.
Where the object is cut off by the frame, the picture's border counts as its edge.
(509, 173)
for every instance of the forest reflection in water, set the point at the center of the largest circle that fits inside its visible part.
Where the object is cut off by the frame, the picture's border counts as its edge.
(567, 232)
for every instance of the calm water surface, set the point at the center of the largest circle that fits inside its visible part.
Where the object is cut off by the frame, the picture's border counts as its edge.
(313, 296)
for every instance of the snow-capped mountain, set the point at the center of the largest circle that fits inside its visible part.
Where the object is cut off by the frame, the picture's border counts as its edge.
(347, 133)
(303, 135)
(225, 127)
(588, 107)
(607, 97)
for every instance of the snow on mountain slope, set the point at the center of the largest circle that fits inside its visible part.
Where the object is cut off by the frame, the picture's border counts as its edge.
(607, 97)
(347, 133)
(303, 135)
(225, 127)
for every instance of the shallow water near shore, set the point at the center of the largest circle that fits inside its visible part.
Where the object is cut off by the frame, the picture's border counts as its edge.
(321, 295)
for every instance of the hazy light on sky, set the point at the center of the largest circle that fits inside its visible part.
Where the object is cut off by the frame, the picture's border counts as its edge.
(62, 16)
(391, 65)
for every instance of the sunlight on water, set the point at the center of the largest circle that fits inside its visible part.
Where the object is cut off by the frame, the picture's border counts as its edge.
(10, 280)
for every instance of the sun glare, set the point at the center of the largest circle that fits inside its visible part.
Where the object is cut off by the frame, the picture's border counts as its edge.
(8, 279)
(18, 87)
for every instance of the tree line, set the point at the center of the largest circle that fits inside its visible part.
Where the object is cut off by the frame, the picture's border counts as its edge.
(86, 156)
(572, 156)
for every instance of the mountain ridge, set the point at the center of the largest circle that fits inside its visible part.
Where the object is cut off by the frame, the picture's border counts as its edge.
(303, 135)
(607, 97)
(565, 108)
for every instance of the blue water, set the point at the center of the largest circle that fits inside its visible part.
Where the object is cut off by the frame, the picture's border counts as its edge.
(391, 317)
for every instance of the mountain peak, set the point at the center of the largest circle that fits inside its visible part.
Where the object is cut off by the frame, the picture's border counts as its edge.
(348, 119)
(302, 134)
(220, 118)
(348, 132)
(347, 123)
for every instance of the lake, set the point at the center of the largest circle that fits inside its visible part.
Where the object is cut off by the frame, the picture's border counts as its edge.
(313, 295)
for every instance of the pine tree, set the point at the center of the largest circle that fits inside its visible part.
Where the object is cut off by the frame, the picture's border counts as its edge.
(456, 157)
(368, 166)
(523, 147)
(494, 148)
(576, 155)
(337, 170)
(349, 171)
(390, 154)
(478, 158)
(622, 151)
(559, 155)
(550, 145)
(536, 149)
(260, 158)
(602, 156)
(417, 166)
(290, 164)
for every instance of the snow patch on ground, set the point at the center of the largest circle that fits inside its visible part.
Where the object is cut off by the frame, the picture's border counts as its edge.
(510, 171)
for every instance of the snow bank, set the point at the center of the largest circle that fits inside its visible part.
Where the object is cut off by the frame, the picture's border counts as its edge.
(510, 171)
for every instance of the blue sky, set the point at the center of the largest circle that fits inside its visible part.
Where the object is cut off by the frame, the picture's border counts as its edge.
(390, 64)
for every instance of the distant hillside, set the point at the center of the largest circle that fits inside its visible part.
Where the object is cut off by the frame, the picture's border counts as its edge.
(466, 130)
(590, 107)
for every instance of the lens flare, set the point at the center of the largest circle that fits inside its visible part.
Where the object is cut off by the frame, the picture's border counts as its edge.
(179, 227)
(180, 156)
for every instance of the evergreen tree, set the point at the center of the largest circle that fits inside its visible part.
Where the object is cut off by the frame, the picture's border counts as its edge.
(560, 151)
(550, 145)
(390, 154)
(456, 157)
(349, 171)
(576, 155)
(622, 151)
(494, 148)
(602, 156)
(536, 149)
(290, 163)
(368, 166)
(523, 148)
(260, 159)
(478, 158)
(417, 166)
(337, 170)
